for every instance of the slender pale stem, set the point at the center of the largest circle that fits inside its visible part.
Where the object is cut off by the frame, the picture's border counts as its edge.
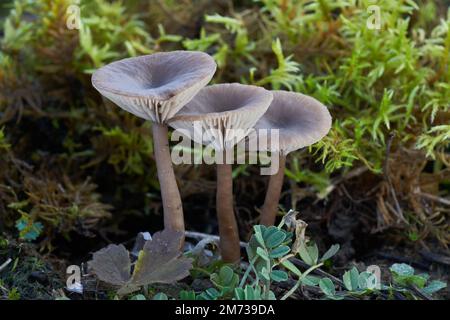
(228, 228)
(173, 209)
(270, 207)
(247, 272)
(299, 282)
(267, 285)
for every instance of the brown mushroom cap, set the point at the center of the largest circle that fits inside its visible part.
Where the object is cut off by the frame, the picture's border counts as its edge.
(157, 86)
(301, 121)
(219, 107)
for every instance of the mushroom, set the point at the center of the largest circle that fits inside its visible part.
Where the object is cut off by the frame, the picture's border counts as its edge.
(155, 87)
(301, 121)
(220, 116)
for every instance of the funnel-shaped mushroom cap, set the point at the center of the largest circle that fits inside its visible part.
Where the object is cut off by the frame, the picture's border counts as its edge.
(157, 86)
(300, 119)
(222, 114)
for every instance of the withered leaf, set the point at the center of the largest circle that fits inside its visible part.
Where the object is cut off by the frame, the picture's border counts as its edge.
(112, 264)
(300, 238)
(299, 227)
(161, 260)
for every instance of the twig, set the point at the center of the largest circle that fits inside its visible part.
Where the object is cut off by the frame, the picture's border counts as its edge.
(349, 175)
(3, 266)
(434, 257)
(398, 211)
(201, 236)
(247, 272)
(318, 271)
(434, 198)
(388, 256)
(420, 293)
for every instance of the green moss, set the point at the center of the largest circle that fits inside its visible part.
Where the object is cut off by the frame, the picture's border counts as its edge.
(387, 89)
(28, 276)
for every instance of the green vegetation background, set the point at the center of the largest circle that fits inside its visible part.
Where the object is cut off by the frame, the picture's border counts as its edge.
(72, 163)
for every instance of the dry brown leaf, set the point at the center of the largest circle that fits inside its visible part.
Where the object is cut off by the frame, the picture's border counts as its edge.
(160, 261)
(112, 264)
(299, 227)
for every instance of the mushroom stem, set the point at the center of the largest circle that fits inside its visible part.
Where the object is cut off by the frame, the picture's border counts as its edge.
(173, 209)
(228, 229)
(270, 207)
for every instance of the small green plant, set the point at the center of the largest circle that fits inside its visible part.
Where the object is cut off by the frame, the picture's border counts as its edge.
(405, 281)
(138, 297)
(359, 282)
(267, 247)
(28, 229)
(4, 145)
(355, 283)
(160, 296)
(404, 278)
(269, 251)
(226, 280)
(278, 254)
(128, 151)
(13, 294)
(437, 138)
